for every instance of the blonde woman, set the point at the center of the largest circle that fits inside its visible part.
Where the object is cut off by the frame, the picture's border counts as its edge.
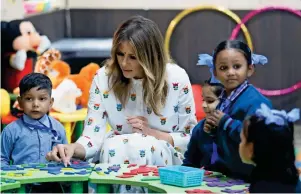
(147, 101)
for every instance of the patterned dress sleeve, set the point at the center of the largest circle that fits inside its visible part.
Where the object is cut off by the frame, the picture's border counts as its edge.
(186, 113)
(95, 123)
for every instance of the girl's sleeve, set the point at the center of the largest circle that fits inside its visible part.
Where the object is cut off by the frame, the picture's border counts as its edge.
(95, 123)
(233, 127)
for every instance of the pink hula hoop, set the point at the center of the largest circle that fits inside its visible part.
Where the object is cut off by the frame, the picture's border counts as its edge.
(245, 20)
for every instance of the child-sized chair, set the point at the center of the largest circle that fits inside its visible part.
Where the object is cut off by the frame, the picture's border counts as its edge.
(198, 100)
(5, 114)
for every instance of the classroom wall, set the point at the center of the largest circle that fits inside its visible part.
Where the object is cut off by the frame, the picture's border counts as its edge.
(180, 4)
(11, 9)
(274, 34)
(14, 9)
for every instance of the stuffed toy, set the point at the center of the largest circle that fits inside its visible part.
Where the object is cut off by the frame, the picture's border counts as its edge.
(20, 43)
(58, 71)
(5, 103)
(65, 96)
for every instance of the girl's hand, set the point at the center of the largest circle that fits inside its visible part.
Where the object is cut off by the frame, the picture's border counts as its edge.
(215, 118)
(207, 127)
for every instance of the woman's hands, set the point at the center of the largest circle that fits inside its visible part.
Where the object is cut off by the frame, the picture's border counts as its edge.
(64, 153)
(140, 125)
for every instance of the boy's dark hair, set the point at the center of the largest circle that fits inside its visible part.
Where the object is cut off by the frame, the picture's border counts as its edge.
(273, 147)
(234, 44)
(217, 87)
(33, 80)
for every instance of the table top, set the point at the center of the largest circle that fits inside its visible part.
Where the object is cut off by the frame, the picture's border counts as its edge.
(8, 184)
(38, 173)
(100, 176)
(223, 183)
(135, 175)
(161, 188)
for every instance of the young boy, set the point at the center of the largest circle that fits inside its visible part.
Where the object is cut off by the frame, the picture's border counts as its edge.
(31, 137)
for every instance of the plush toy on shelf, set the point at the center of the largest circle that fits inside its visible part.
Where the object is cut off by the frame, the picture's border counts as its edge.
(20, 44)
(5, 103)
(60, 74)
(70, 91)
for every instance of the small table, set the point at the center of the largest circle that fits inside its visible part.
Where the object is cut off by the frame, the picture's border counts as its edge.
(34, 175)
(104, 181)
(8, 186)
(161, 188)
(66, 119)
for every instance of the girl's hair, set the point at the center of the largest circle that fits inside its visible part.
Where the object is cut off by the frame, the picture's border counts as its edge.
(273, 147)
(217, 88)
(147, 42)
(234, 44)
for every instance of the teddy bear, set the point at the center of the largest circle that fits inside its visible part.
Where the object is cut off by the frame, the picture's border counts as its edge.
(20, 44)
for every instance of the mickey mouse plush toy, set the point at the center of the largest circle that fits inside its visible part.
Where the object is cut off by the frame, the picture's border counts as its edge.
(20, 43)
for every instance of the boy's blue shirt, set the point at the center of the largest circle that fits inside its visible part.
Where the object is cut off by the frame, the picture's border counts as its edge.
(22, 144)
(227, 137)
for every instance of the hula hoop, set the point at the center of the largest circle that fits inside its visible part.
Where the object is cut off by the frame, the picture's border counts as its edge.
(244, 21)
(186, 12)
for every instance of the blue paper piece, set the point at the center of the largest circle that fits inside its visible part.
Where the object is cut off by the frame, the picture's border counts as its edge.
(33, 165)
(51, 165)
(51, 168)
(69, 173)
(79, 166)
(8, 168)
(10, 181)
(55, 172)
(82, 172)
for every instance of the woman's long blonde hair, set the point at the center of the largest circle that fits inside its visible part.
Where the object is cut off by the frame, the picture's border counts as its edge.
(147, 42)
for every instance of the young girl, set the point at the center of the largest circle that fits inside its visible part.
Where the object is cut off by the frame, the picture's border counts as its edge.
(267, 142)
(199, 150)
(198, 155)
(233, 65)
